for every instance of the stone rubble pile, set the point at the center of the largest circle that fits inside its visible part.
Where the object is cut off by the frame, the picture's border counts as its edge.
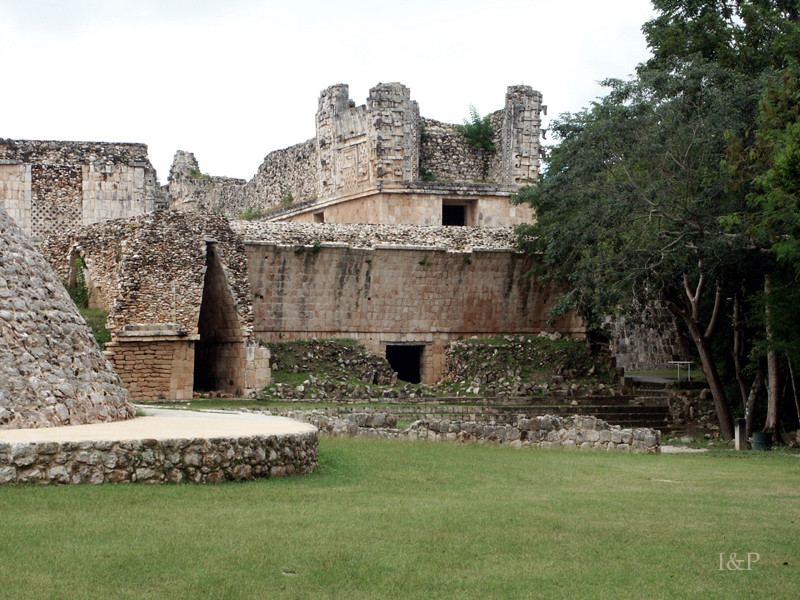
(52, 372)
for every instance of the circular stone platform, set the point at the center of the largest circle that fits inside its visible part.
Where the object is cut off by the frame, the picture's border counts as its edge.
(164, 446)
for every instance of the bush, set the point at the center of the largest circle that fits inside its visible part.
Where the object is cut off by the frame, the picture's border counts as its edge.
(477, 131)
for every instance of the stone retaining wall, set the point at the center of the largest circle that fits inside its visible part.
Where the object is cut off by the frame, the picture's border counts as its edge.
(159, 461)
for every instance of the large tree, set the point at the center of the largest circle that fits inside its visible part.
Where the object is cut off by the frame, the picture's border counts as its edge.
(634, 205)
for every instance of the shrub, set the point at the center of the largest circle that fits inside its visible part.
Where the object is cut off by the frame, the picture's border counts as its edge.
(477, 130)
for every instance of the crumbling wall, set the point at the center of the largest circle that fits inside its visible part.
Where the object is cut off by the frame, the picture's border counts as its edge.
(445, 155)
(189, 189)
(360, 151)
(52, 188)
(152, 267)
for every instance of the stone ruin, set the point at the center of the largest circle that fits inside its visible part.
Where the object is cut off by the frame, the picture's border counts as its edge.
(180, 307)
(51, 370)
(382, 163)
(355, 238)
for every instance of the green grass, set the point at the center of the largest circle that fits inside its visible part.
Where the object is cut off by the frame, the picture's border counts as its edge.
(419, 520)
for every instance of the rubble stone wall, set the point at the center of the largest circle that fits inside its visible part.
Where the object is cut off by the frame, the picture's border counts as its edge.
(547, 431)
(151, 268)
(159, 461)
(445, 155)
(51, 371)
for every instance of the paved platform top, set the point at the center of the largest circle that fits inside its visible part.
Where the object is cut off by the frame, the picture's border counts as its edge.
(163, 424)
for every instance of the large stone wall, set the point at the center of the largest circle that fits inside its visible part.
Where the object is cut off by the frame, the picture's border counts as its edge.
(390, 294)
(159, 461)
(52, 188)
(51, 371)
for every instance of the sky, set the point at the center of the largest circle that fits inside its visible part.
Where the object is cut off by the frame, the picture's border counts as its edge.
(234, 80)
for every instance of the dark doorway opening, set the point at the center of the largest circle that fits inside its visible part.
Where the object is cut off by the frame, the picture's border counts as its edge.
(218, 352)
(406, 360)
(454, 214)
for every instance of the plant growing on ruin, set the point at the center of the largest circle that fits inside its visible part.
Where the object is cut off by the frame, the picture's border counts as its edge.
(287, 198)
(426, 175)
(195, 173)
(477, 131)
(251, 213)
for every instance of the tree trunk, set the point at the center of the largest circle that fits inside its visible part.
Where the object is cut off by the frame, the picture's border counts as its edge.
(794, 388)
(737, 348)
(715, 383)
(773, 390)
(688, 309)
(751, 402)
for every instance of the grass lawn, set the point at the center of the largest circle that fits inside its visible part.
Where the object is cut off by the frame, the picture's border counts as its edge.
(420, 520)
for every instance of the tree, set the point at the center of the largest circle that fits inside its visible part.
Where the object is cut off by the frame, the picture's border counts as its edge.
(634, 206)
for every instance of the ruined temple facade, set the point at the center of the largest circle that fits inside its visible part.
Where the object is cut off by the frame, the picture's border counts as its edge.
(382, 163)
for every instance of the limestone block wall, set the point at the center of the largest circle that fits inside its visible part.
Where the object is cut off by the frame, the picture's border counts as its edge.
(396, 295)
(16, 191)
(647, 344)
(154, 368)
(159, 461)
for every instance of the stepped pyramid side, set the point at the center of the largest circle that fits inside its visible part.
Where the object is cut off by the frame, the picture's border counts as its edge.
(52, 372)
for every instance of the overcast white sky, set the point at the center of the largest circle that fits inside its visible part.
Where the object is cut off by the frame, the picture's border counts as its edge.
(233, 80)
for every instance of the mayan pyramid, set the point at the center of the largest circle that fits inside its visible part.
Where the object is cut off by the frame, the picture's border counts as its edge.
(52, 371)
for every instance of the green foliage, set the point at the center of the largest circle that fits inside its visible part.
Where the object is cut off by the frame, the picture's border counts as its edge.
(78, 291)
(426, 175)
(287, 198)
(252, 212)
(195, 173)
(477, 131)
(674, 188)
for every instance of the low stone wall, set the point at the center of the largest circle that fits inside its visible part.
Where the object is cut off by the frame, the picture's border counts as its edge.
(197, 460)
(546, 431)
